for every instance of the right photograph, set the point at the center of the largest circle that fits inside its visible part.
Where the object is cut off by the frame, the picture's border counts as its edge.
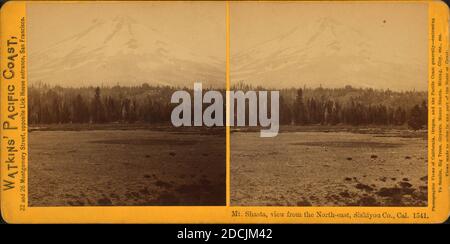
(353, 103)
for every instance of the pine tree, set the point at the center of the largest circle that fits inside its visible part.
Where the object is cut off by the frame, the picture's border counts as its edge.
(300, 117)
(415, 121)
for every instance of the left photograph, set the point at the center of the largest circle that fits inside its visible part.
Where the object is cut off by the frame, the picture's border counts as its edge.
(101, 77)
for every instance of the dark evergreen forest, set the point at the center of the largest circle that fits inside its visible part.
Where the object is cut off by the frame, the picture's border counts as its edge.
(298, 106)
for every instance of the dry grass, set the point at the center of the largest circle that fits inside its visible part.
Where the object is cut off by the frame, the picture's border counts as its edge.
(126, 167)
(386, 168)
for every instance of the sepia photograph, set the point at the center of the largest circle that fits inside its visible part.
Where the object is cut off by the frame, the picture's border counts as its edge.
(224, 112)
(353, 84)
(101, 77)
(351, 126)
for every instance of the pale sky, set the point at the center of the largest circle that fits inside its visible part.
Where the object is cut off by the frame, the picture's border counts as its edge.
(199, 26)
(366, 44)
(404, 29)
(274, 44)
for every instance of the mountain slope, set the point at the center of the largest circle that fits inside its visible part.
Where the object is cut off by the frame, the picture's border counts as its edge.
(323, 53)
(122, 51)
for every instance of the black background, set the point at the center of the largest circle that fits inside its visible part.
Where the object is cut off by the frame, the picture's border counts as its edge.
(297, 233)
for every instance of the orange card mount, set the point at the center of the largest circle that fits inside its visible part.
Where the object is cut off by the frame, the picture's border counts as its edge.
(224, 112)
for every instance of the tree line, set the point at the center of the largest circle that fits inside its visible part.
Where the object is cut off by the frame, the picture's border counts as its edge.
(298, 106)
(325, 111)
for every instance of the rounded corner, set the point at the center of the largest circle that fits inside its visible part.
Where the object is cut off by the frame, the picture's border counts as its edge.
(6, 216)
(6, 5)
(441, 218)
(443, 4)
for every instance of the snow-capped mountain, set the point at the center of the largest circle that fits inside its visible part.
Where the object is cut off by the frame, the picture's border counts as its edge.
(122, 51)
(325, 53)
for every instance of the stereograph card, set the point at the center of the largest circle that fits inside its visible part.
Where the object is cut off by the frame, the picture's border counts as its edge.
(224, 112)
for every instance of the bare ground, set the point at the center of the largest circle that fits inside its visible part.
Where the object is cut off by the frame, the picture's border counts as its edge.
(126, 167)
(141, 166)
(368, 168)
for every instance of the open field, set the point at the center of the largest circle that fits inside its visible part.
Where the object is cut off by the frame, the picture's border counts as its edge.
(106, 166)
(141, 165)
(372, 167)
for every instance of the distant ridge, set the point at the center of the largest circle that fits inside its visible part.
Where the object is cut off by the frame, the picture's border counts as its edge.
(325, 52)
(122, 51)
